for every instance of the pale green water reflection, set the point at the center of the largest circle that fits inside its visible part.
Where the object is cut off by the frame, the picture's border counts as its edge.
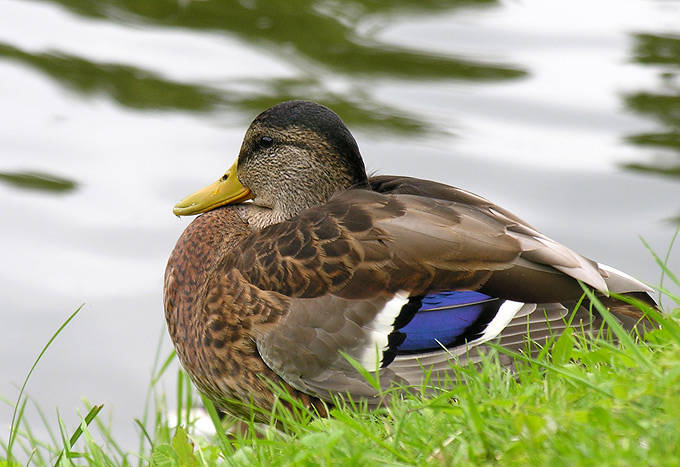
(318, 38)
(663, 105)
(126, 85)
(38, 181)
(324, 33)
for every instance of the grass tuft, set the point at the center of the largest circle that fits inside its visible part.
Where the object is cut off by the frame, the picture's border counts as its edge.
(577, 399)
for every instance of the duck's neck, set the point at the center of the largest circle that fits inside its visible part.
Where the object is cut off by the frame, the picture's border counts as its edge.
(259, 217)
(268, 211)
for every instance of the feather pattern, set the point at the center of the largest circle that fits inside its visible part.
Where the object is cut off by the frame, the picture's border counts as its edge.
(399, 274)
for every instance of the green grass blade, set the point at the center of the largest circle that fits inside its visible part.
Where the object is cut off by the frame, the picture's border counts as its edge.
(91, 415)
(45, 422)
(180, 399)
(219, 428)
(105, 431)
(663, 263)
(363, 430)
(13, 424)
(157, 374)
(372, 378)
(623, 336)
(554, 368)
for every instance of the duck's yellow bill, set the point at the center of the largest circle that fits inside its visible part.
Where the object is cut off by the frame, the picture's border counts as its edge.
(226, 190)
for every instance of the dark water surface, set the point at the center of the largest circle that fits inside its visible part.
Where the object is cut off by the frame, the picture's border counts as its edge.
(567, 113)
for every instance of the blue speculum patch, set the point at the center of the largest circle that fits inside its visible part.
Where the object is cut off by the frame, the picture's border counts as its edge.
(447, 319)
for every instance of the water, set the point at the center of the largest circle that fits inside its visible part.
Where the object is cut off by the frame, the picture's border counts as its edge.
(566, 113)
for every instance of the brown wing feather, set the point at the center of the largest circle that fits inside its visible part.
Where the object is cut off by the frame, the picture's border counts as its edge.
(548, 266)
(362, 244)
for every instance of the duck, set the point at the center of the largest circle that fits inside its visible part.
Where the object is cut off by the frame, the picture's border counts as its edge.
(303, 272)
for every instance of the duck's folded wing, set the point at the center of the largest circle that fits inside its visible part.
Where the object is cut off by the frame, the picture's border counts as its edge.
(538, 250)
(348, 276)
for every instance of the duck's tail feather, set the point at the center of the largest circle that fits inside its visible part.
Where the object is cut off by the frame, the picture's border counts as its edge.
(620, 283)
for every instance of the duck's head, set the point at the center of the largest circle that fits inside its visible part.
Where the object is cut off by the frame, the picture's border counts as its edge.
(295, 155)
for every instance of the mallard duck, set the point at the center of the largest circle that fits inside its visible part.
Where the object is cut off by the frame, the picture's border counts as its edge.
(301, 260)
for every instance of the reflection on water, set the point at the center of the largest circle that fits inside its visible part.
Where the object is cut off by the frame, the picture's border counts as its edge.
(38, 181)
(144, 90)
(662, 51)
(318, 38)
(325, 33)
(128, 86)
(323, 41)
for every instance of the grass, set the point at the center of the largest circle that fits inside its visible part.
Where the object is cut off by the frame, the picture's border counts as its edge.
(579, 401)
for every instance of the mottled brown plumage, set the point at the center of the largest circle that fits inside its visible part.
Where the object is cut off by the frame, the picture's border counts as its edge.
(325, 262)
(215, 347)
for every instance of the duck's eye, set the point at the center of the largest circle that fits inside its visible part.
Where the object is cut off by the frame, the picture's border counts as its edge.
(266, 142)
